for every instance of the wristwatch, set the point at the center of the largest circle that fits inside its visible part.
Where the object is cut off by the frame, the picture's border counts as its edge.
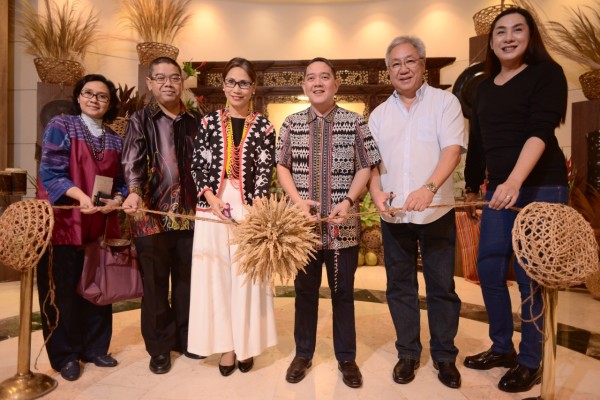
(349, 200)
(431, 187)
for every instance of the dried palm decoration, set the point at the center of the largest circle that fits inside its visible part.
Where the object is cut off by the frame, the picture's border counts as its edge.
(156, 20)
(62, 32)
(579, 40)
(274, 239)
(554, 244)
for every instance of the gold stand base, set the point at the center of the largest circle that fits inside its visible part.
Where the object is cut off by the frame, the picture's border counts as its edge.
(27, 386)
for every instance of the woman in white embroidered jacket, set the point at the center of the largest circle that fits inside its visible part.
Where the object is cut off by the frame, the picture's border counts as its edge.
(232, 165)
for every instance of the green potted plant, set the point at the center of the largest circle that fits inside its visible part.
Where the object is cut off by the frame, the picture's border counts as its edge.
(157, 22)
(59, 39)
(129, 102)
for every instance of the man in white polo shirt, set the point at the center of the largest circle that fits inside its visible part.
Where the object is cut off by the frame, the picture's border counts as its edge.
(420, 133)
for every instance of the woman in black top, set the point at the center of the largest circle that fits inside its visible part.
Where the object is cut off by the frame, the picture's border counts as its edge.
(515, 113)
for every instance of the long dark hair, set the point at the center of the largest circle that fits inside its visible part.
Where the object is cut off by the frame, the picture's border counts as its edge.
(536, 51)
(113, 105)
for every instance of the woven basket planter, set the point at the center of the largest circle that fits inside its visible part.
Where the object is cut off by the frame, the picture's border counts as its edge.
(149, 51)
(483, 19)
(119, 125)
(53, 70)
(590, 84)
(371, 241)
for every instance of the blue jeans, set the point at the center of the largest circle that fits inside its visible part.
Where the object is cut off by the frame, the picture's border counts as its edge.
(400, 244)
(495, 252)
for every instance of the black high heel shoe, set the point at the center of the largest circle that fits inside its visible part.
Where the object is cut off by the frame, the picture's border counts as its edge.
(246, 365)
(227, 370)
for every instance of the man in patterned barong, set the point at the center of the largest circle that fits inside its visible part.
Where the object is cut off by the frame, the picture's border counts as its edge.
(324, 159)
(157, 155)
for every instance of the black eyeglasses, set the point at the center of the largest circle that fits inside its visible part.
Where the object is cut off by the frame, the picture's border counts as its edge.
(160, 79)
(230, 83)
(101, 97)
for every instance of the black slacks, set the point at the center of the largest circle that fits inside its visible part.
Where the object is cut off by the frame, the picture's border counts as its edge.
(84, 329)
(341, 283)
(164, 323)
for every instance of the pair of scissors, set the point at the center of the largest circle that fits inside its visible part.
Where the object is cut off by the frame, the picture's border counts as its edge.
(227, 213)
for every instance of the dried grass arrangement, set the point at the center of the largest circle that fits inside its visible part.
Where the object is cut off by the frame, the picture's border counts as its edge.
(274, 239)
(579, 41)
(62, 32)
(156, 20)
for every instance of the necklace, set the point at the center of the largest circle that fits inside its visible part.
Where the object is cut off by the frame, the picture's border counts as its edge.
(97, 153)
(234, 153)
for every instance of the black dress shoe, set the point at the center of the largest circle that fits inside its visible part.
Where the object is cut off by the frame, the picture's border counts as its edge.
(71, 371)
(247, 365)
(192, 355)
(448, 374)
(404, 371)
(520, 379)
(490, 359)
(160, 364)
(103, 361)
(350, 373)
(297, 369)
(227, 370)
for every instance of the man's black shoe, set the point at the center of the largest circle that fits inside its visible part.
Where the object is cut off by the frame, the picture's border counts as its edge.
(448, 374)
(404, 371)
(297, 369)
(71, 371)
(490, 359)
(103, 361)
(350, 373)
(520, 379)
(160, 364)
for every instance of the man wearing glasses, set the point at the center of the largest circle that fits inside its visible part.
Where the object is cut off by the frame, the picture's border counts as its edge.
(157, 153)
(420, 133)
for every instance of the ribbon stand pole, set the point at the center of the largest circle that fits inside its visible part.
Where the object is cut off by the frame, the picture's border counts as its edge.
(549, 351)
(548, 391)
(25, 384)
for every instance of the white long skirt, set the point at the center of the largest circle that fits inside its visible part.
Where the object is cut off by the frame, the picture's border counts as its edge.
(225, 313)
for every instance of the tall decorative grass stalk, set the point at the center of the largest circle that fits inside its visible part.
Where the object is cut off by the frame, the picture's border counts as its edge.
(579, 40)
(63, 33)
(156, 20)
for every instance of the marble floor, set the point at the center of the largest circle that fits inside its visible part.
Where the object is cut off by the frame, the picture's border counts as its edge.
(577, 363)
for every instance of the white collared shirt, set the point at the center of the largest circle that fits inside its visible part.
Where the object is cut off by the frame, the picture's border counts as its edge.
(411, 141)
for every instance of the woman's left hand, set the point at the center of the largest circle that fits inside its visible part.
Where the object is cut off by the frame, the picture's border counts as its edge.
(505, 196)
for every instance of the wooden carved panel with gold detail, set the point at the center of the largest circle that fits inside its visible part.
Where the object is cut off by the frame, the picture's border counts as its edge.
(363, 81)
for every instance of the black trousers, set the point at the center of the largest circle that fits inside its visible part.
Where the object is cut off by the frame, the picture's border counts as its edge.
(84, 329)
(341, 283)
(164, 323)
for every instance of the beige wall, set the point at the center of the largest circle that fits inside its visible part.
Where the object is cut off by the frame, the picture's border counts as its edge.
(222, 29)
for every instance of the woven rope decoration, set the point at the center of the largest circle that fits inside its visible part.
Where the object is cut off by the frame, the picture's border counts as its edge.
(274, 239)
(25, 231)
(554, 244)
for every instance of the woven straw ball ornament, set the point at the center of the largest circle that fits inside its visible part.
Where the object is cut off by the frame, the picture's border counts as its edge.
(25, 232)
(555, 245)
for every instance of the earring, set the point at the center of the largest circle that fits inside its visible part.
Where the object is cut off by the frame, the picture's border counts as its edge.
(251, 107)
(226, 103)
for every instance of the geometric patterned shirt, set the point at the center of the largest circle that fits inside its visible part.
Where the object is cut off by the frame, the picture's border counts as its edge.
(323, 154)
